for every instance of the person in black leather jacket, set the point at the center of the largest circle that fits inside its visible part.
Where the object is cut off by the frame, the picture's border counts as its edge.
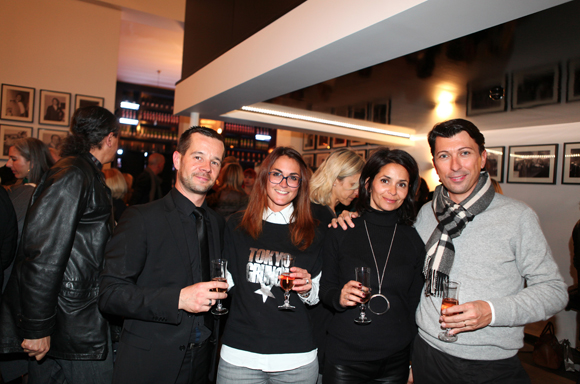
(53, 291)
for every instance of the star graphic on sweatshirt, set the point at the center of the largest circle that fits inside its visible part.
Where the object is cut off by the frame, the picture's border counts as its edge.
(265, 292)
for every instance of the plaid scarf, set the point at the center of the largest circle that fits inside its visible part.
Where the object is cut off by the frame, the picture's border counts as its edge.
(452, 218)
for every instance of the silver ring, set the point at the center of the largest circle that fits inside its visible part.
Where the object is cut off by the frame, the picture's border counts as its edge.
(210, 302)
(307, 281)
(464, 324)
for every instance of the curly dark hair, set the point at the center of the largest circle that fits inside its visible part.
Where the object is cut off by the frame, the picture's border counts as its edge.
(378, 160)
(89, 126)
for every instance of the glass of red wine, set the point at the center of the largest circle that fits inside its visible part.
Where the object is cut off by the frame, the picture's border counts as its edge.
(218, 273)
(286, 281)
(363, 276)
(450, 298)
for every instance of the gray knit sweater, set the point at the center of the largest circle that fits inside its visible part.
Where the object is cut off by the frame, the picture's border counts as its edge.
(502, 249)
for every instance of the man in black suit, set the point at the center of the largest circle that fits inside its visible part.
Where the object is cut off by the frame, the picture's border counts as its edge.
(156, 273)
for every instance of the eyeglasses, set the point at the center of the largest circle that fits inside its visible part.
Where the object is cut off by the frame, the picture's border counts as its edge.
(292, 181)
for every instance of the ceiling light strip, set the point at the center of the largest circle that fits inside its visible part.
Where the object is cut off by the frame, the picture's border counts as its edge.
(325, 121)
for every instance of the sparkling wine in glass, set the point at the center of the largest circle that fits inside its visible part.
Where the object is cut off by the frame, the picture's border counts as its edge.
(218, 273)
(363, 276)
(450, 298)
(286, 281)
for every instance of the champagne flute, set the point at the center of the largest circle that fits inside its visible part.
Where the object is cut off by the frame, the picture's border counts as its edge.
(286, 281)
(218, 273)
(363, 276)
(450, 298)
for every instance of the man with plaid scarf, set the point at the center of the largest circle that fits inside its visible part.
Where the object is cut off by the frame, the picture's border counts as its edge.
(494, 247)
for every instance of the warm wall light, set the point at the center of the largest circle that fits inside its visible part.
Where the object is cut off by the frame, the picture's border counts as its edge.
(445, 107)
(445, 97)
(324, 121)
(444, 110)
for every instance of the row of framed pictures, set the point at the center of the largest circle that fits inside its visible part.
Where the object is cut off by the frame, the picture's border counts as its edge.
(10, 133)
(315, 160)
(534, 164)
(530, 88)
(312, 141)
(17, 104)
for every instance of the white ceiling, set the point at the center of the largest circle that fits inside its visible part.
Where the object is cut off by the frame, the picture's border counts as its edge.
(150, 50)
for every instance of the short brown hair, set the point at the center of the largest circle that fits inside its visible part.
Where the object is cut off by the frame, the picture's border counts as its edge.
(185, 139)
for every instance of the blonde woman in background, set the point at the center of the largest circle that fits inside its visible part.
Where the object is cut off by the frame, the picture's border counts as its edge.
(335, 181)
(118, 186)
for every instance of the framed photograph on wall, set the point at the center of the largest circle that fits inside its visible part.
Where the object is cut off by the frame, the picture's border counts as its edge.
(9, 134)
(85, 101)
(54, 108)
(537, 86)
(381, 112)
(494, 162)
(356, 143)
(309, 159)
(17, 103)
(571, 168)
(359, 111)
(323, 142)
(338, 142)
(362, 153)
(371, 151)
(573, 92)
(54, 138)
(309, 141)
(532, 164)
(486, 96)
(320, 157)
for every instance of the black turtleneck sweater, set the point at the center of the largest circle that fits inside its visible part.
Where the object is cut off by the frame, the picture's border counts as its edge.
(343, 251)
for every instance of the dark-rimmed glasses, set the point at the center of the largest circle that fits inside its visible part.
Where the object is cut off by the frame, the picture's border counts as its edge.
(293, 181)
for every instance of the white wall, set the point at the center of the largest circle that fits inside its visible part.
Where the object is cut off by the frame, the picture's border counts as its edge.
(66, 46)
(556, 205)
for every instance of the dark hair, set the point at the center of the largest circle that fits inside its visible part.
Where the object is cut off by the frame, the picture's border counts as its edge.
(303, 226)
(57, 101)
(378, 160)
(185, 142)
(37, 153)
(451, 128)
(89, 126)
(232, 178)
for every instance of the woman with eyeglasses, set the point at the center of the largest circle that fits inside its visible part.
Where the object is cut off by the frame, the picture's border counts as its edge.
(263, 343)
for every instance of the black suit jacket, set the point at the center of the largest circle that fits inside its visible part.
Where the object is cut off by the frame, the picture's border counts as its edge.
(146, 265)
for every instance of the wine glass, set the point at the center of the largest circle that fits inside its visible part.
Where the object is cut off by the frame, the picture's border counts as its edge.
(363, 276)
(218, 273)
(450, 298)
(286, 281)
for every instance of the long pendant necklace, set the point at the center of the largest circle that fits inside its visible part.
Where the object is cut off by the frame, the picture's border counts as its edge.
(379, 296)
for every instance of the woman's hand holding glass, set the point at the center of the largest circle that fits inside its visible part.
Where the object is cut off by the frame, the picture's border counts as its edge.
(302, 280)
(352, 294)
